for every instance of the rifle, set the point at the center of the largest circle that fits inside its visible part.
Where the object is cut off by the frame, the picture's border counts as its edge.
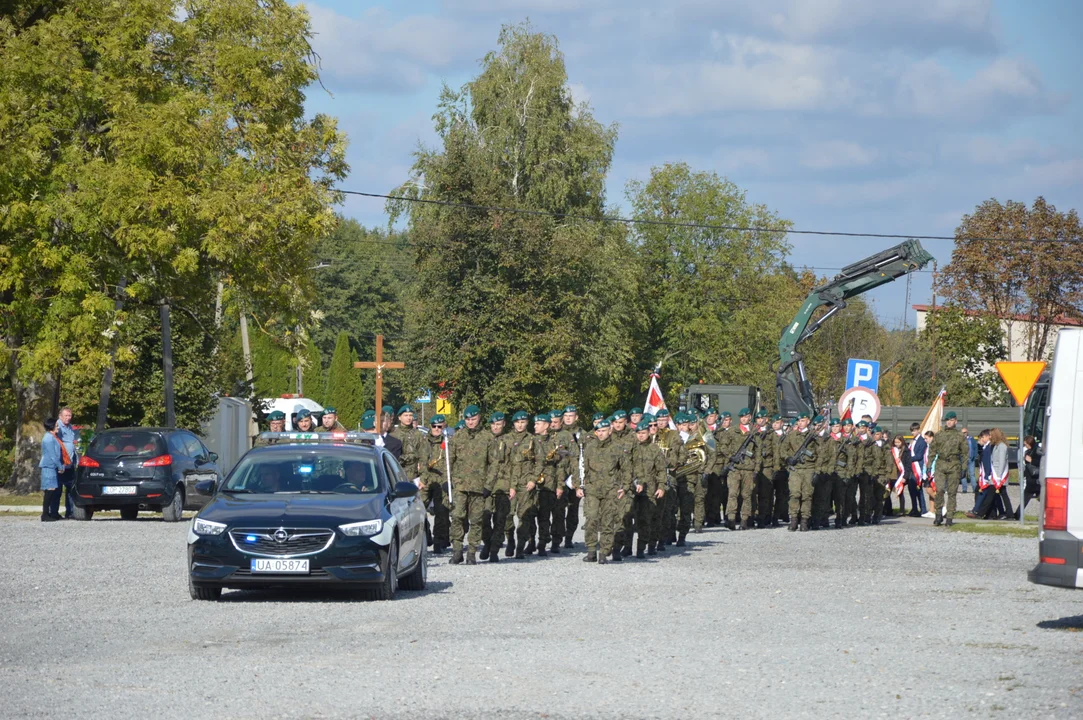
(792, 460)
(582, 475)
(740, 451)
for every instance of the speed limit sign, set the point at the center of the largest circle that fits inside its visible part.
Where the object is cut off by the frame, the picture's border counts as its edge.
(865, 403)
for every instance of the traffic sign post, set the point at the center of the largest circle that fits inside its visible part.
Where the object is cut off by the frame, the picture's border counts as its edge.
(1020, 377)
(863, 374)
(866, 402)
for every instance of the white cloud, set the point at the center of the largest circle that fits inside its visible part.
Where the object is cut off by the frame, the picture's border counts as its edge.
(376, 53)
(832, 154)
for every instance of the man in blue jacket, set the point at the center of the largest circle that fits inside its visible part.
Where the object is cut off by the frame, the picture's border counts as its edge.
(968, 480)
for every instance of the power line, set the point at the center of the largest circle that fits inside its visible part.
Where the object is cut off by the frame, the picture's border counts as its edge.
(691, 225)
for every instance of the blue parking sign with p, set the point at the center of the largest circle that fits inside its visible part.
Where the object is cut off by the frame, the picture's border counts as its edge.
(863, 373)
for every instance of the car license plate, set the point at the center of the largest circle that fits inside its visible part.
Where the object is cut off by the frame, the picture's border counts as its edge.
(273, 565)
(119, 490)
(96, 474)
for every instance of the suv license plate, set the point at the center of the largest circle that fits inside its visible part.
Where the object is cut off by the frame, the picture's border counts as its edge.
(119, 490)
(271, 565)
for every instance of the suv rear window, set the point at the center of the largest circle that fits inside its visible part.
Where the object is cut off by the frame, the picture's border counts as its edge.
(133, 443)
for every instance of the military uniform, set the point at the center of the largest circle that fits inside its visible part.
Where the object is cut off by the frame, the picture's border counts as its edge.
(763, 492)
(672, 447)
(571, 437)
(433, 493)
(688, 474)
(742, 439)
(411, 439)
(524, 465)
(801, 451)
(499, 507)
(951, 451)
(607, 472)
(469, 450)
(649, 473)
(780, 476)
(549, 476)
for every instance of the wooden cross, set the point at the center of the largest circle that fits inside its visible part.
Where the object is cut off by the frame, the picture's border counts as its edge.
(379, 366)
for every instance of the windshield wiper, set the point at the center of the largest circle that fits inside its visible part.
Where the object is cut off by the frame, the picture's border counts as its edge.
(235, 490)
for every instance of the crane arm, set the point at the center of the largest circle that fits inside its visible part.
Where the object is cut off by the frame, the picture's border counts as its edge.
(794, 390)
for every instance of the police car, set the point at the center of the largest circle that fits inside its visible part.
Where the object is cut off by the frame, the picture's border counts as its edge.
(331, 510)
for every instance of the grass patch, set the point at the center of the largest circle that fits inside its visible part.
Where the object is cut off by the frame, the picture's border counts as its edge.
(997, 527)
(9, 498)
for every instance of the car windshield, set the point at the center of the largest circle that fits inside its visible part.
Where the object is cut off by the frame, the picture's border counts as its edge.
(126, 443)
(304, 470)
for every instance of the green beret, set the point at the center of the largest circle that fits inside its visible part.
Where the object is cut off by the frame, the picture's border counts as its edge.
(643, 425)
(847, 421)
(569, 409)
(496, 416)
(471, 411)
(405, 409)
(803, 415)
(636, 411)
(744, 411)
(437, 420)
(368, 423)
(836, 421)
(712, 411)
(727, 414)
(521, 415)
(556, 415)
(542, 417)
(598, 416)
(303, 413)
(460, 425)
(368, 413)
(761, 413)
(603, 423)
(619, 414)
(862, 424)
(663, 413)
(276, 415)
(776, 416)
(818, 419)
(329, 410)
(950, 415)
(387, 410)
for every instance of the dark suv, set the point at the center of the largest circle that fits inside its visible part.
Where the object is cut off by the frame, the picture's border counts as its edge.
(133, 469)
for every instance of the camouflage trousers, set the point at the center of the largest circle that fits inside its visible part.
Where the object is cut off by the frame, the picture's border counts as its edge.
(603, 517)
(468, 511)
(434, 493)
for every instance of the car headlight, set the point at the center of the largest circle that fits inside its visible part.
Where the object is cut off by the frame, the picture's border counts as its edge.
(362, 529)
(207, 527)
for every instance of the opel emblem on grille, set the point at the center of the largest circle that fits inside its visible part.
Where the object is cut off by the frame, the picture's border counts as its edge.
(281, 535)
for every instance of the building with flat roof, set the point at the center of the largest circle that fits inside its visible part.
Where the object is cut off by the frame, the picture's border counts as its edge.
(1017, 330)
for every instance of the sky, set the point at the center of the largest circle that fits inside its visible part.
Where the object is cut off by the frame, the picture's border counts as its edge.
(842, 115)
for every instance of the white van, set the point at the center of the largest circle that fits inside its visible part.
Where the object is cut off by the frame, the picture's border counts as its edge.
(1060, 545)
(291, 405)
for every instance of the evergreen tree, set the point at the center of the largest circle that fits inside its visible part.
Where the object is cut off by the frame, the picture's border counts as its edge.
(344, 389)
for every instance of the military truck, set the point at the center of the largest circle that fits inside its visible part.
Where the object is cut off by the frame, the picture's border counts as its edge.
(727, 398)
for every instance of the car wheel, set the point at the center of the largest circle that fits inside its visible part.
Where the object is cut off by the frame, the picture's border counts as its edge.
(175, 509)
(82, 513)
(419, 575)
(129, 513)
(202, 592)
(386, 590)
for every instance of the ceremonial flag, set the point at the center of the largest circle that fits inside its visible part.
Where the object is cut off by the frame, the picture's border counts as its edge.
(934, 418)
(849, 412)
(655, 401)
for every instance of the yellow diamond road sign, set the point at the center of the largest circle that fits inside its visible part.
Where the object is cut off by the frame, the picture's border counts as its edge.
(1020, 377)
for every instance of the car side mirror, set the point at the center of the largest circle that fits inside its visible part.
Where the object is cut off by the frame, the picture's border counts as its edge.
(206, 487)
(213, 457)
(405, 490)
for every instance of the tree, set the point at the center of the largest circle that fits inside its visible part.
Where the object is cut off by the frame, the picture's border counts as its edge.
(160, 142)
(1040, 278)
(514, 309)
(716, 300)
(344, 391)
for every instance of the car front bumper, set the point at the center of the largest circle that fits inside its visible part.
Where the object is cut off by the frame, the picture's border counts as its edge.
(349, 562)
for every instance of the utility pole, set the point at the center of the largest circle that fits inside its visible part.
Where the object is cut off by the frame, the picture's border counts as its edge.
(167, 365)
(933, 316)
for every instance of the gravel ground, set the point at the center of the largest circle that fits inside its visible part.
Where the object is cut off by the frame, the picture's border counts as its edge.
(899, 620)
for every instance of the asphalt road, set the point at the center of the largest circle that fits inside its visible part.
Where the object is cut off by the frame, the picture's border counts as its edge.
(899, 620)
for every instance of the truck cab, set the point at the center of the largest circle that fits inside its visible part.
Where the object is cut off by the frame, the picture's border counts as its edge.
(1060, 537)
(727, 398)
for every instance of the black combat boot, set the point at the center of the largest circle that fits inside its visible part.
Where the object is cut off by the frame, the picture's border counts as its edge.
(494, 555)
(793, 525)
(470, 558)
(555, 547)
(485, 552)
(457, 556)
(747, 524)
(939, 520)
(519, 555)
(617, 557)
(651, 549)
(568, 541)
(641, 550)
(541, 550)
(510, 551)
(804, 526)
(840, 522)
(730, 525)
(602, 558)
(591, 556)
(659, 547)
(531, 547)
(626, 551)
(681, 537)
(947, 521)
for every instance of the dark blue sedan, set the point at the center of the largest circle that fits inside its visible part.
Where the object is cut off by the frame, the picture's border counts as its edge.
(329, 510)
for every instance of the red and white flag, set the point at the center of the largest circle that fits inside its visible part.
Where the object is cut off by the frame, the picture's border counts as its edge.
(655, 401)
(935, 416)
(849, 413)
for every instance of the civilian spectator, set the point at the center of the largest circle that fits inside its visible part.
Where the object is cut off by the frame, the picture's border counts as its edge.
(1032, 461)
(66, 435)
(52, 464)
(967, 481)
(994, 502)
